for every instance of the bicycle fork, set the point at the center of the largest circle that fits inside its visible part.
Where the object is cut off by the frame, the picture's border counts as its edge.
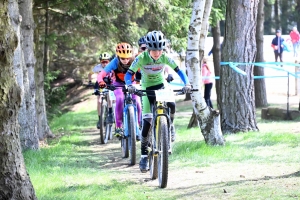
(160, 113)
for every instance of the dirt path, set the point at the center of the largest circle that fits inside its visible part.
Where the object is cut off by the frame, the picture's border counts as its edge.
(218, 181)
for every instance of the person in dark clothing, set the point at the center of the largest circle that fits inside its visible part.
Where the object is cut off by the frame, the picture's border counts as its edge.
(277, 45)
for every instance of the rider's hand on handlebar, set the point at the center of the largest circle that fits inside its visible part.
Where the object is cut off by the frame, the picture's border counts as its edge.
(131, 89)
(187, 88)
(170, 78)
(102, 84)
(96, 92)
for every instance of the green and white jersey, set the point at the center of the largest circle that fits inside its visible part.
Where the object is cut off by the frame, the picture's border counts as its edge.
(152, 70)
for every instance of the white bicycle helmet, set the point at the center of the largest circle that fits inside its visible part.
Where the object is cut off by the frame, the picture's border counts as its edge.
(104, 56)
(155, 40)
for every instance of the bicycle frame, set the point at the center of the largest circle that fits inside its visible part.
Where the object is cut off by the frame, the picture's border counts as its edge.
(105, 128)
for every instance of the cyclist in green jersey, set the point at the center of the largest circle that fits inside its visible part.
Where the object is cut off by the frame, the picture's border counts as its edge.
(152, 64)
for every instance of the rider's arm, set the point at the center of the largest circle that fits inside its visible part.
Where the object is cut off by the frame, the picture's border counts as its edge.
(109, 67)
(100, 76)
(136, 64)
(182, 75)
(180, 72)
(128, 77)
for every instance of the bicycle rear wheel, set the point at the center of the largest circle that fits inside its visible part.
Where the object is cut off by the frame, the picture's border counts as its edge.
(131, 127)
(102, 119)
(163, 158)
(152, 156)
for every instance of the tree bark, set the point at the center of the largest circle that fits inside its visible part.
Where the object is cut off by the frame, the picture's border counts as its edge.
(297, 10)
(124, 22)
(43, 128)
(259, 84)
(29, 136)
(14, 180)
(208, 119)
(216, 33)
(237, 91)
(277, 15)
(268, 21)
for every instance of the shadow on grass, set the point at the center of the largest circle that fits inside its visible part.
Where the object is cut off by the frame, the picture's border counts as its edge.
(90, 191)
(186, 191)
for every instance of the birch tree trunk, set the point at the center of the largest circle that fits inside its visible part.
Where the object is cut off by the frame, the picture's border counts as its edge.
(208, 119)
(14, 180)
(28, 134)
(237, 91)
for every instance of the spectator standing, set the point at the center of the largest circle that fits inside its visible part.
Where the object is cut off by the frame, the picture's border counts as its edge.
(206, 74)
(295, 37)
(277, 45)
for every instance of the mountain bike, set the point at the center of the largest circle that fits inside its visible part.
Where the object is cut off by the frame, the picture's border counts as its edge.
(130, 125)
(105, 127)
(160, 135)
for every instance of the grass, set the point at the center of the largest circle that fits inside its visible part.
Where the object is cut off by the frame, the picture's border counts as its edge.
(74, 166)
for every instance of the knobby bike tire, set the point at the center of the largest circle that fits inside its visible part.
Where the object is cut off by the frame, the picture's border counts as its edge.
(152, 156)
(163, 158)
(131, 126)
(103, 107)
(108, 133)
(124, 147)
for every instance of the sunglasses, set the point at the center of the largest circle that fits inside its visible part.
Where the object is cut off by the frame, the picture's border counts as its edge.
(143, 48)
(105, 62)
(124, 58)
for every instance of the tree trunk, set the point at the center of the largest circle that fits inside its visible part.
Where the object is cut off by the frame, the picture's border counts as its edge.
(208, 119)
(124, 22)
(268, 21)
(259, 84)
(14, 180)
(29, 137)
(237, 91)
(187, 95)
(43, 128)
(216, 33)
(285, 14)
(297, 10)
(277, 15)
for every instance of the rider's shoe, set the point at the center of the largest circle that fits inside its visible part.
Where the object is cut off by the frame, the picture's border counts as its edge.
(138, 137)
(110, 118)
(119, 133)
(144, 164)
(173, 133)
(98, 124)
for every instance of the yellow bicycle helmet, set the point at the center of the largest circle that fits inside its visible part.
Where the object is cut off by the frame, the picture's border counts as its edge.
(104, 56)
(124, 50)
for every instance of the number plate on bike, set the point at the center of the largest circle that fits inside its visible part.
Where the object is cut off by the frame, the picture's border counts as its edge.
(166, 95)
(111, 95)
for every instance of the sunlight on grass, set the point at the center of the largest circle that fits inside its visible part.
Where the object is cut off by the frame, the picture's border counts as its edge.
(256, 147)
(68, 169)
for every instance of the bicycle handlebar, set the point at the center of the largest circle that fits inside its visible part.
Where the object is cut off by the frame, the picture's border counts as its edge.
(141, 92)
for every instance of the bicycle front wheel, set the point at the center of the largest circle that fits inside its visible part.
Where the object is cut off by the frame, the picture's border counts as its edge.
(152, 156)
(163, 158)
(131, 127)
(102, 119)
(124, 147)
